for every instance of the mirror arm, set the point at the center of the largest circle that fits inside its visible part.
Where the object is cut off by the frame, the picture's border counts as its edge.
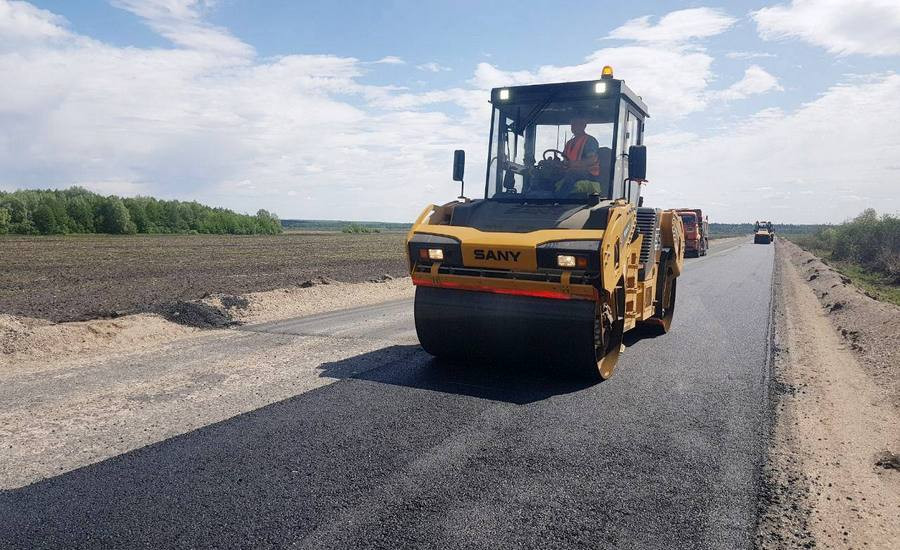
(459, 167)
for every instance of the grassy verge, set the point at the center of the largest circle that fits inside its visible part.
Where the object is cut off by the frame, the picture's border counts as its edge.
(877, 285)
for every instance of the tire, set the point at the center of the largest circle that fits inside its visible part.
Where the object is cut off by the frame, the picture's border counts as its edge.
(607, 358)
(665, 307)
(666, 288)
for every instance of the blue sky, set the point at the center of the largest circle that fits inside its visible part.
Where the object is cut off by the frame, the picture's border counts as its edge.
(759, 109)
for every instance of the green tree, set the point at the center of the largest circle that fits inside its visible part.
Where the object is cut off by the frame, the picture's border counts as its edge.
(81, 214)
(4, 220)
(115, 216)
(267, 222)
(44, 220)
(19, 220)
(78, 210)
(137, 209)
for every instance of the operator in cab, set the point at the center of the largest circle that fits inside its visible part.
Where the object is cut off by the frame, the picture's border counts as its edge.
(583, 152)
(582, 161)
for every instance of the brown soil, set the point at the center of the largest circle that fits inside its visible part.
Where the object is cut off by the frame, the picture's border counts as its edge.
(829, 480)
(869, 327)
(72, 278)
(26, 342)
(32, 345)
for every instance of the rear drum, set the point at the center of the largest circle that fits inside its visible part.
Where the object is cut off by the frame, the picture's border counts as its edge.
(481, 327)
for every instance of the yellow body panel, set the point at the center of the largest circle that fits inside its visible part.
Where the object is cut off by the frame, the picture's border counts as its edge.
(619, 261)
(575, 292)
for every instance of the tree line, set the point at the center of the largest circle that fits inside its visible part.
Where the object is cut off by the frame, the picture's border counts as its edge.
(341, 225)
(77, 210)
(720, 229)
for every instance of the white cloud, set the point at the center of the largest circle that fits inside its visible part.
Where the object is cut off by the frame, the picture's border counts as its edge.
(666, 64)
(390, 60)
(433, 67)
(748, 55)
(755, 81)
(814, 158)
(208, 120)
(181, 22)
(676, 26)
(868, 27)
(673, 81)
(21, 22)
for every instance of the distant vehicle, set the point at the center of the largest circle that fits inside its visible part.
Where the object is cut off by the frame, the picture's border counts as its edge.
(559, 259)
(764, 233)
(696, 231)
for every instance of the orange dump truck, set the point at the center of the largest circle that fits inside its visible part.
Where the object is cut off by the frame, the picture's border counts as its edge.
(696, 231)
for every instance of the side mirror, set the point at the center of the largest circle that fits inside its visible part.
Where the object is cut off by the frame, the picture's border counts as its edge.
(637, 162)
(459, 164)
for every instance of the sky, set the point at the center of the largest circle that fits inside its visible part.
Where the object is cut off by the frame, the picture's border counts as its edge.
(338, 109)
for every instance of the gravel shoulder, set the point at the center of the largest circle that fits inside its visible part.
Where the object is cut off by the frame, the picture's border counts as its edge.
(867, 326)
(829, 481)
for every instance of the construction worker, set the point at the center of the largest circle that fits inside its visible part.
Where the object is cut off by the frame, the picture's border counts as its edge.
(582, 151)
(582, 161)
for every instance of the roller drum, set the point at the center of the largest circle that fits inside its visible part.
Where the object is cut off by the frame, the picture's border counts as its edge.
(469, 325)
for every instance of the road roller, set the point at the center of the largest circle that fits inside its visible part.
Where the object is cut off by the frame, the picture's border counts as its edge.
(561, 257)
(763, 232)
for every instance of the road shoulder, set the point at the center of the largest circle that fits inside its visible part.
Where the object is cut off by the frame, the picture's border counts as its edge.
(836, 419)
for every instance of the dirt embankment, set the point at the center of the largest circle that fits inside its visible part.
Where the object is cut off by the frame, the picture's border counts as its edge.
(869, 327)
(832, 477)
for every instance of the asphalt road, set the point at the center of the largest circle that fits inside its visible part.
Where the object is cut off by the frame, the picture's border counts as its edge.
(404, 451)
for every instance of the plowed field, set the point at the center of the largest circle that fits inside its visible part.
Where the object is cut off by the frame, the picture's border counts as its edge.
(70, 278)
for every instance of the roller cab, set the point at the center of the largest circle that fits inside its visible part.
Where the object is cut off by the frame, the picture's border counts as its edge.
(559, 259)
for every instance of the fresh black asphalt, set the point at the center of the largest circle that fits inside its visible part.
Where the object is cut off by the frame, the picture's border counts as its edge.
(414, 453)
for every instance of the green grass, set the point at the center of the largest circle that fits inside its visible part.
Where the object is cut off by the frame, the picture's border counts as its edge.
(874, 283)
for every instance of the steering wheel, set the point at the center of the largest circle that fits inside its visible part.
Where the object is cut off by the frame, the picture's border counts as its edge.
(548, 171)
(556, 155)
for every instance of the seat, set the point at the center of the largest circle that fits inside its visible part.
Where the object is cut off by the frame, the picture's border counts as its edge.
(604, 155)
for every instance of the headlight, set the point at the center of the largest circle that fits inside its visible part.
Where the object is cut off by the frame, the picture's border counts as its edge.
(564, 260)
(578, 255)
(425, 249)
(569, 261)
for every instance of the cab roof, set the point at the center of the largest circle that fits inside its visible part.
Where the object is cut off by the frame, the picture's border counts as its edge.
(568, 91)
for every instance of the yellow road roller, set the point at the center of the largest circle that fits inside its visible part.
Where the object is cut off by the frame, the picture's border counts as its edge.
(763, 232)
(560, 258)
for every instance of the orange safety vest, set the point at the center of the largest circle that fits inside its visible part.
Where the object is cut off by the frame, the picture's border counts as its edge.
(573, 150)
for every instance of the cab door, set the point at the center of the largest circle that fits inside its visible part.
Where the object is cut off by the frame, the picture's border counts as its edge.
(631, 132)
